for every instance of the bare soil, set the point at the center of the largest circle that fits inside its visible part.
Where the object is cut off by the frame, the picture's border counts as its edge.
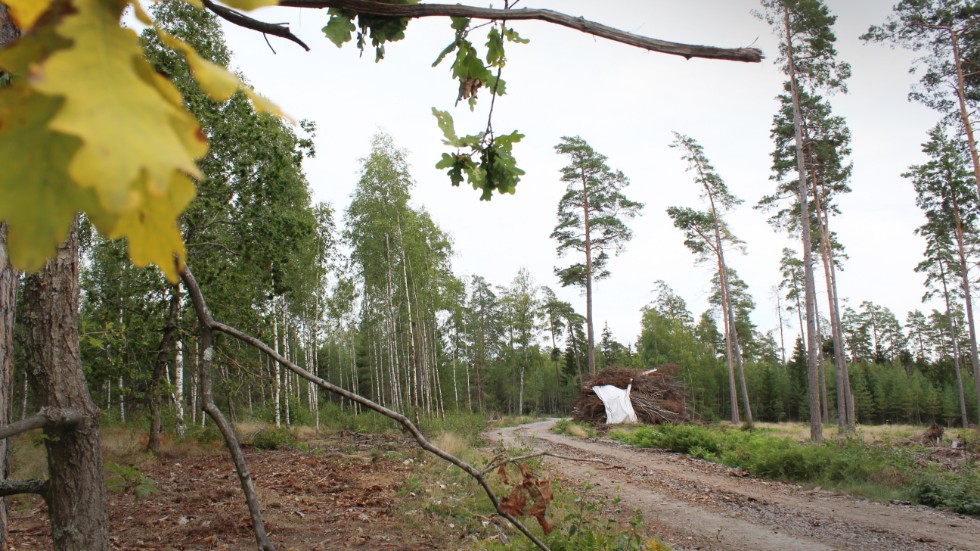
(347, 495)
(695, 504)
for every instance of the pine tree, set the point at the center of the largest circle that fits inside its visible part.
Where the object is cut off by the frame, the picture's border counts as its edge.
(592, 217)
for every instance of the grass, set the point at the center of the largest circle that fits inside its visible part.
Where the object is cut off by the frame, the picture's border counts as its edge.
(876, 468)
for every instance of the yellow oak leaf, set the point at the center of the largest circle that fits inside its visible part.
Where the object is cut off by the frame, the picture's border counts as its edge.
(26, 12)
(216, 81)
(151, 229)
(39, 200)
(131, 133)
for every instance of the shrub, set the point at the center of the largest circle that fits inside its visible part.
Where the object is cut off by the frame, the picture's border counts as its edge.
(273, 439)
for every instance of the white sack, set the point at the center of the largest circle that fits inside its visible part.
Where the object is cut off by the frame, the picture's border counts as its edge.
(619, 409)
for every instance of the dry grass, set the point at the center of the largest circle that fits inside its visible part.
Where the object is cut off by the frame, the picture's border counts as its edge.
(451, 442)
(577, 431)
(869, 433)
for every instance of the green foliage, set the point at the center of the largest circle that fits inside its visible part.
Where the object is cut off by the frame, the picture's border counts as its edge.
(881, 470)
(958, 492)
(273, 438)
(489, 166)
(340, 28)
(588, 525)
(129, 479)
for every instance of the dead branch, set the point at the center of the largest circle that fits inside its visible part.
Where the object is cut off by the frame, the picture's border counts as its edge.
(15, 487)
(208, 325)
(231, 441)
(51, 418)
(275, 29)
(413, 11)
(500, 461)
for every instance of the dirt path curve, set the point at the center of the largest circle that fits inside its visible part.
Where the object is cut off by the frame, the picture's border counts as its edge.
(695, 504)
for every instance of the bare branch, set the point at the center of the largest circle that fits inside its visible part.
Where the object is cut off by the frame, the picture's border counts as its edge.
(15, 487)
(231, 441)
(275, 29)
(751, 55)
(496, 464)
(208, 324)
(46, 418)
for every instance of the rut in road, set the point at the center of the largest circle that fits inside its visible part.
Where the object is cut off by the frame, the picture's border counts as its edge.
(695, 504)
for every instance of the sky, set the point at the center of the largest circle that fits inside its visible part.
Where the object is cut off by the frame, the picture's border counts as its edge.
(626, 103)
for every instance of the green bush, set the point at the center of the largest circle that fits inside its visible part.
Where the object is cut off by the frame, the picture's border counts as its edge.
(273, 439)
(959, 493)
(880, 471)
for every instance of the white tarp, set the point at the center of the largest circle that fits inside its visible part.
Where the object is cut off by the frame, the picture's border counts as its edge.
(619, 409)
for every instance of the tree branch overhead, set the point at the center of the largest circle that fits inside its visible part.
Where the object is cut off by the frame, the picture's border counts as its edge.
(415, 11)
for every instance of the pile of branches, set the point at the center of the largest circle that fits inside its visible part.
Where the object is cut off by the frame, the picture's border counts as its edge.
(656, 396)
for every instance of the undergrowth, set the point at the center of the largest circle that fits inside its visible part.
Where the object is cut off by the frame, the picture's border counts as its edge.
(878, 471)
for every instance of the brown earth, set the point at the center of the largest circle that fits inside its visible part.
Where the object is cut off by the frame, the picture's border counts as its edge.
(695, 504)
(350, 498)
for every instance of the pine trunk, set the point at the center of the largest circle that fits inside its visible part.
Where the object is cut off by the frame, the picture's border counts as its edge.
(588, 277)
(76, 494)
(813, 352)
(965, 278)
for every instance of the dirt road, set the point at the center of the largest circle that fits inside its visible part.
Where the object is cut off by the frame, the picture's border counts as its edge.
(695, 504)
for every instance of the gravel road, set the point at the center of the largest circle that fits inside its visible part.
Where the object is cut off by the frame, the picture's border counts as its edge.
(695, 504)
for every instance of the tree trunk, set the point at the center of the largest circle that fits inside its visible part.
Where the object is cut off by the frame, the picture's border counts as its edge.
(159, 369)
(77, 496)
(277, 384)
(845, 403)
(8, 309)
(813, 352)
(965, 278)
(956, 347)
(588, 277)
(179, 384)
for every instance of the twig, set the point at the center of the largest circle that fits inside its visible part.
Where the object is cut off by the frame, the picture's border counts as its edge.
(275, 29)
(751, 55)
(504, 461)
(209, 324)
(46, 418)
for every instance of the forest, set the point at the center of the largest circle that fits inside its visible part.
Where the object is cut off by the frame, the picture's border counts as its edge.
(365, 295)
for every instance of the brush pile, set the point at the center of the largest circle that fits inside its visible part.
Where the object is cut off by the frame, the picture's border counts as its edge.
(656, 396)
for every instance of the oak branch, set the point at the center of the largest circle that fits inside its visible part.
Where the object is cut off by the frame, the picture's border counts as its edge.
(414, 11)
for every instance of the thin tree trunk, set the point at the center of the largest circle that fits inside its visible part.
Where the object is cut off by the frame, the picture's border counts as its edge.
(588, 277)
(956, 347)
(965, 278)
(76, 495)
(779, 314)
(159, 368)
(845, 408)
(8, 309)
(816, 427)
(277, 384)
(413, 357)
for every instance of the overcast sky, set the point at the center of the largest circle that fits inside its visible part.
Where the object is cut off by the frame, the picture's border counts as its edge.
(625, 102)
